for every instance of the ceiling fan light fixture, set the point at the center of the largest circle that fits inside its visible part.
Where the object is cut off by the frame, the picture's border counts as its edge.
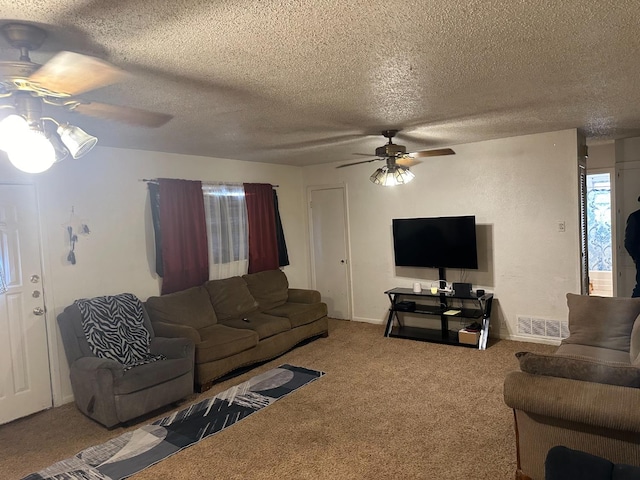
(77, 141)
(389, 176)
(27, 146)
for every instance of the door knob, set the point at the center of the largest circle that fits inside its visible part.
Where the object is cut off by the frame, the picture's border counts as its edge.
(38, 311)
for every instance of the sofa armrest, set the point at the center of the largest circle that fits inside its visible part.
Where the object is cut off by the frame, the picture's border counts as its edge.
(173, 330)
(588, 403)
(173, 347)
(302, 295)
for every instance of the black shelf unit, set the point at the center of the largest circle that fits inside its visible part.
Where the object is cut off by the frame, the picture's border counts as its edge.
(473, 309)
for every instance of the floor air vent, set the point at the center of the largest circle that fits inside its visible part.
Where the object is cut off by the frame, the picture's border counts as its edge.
(542, 327)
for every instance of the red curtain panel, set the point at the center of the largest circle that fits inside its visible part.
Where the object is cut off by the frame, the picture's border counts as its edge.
(185, 258)
(263, 243)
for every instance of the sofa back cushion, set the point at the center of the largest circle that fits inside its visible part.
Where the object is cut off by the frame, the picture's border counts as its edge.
(231, 298)
(604, 322)
(580, 368)
(634, 349)
(191, 307)
(270, 288)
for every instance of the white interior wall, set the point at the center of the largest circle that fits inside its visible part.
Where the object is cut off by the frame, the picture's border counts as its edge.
(518, 188)
(117, 256)
(602, 155)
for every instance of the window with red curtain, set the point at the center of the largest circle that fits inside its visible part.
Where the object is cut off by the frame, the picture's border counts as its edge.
(185, 258)
(263, 243)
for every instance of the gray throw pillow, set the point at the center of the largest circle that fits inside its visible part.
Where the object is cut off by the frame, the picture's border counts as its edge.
(604, 322)
(580, 368)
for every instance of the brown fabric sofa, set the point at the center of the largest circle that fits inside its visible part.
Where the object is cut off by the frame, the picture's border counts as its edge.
(239, 321)
(586, 396)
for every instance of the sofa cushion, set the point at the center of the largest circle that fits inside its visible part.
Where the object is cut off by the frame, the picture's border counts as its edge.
(604, 322)
(594, 353)
(220, 341)
(230, 298)
(300, 313)
(191, 307)
(634, 348)
(263, 324)
(580, 368)
(270, 288)
(149, 375)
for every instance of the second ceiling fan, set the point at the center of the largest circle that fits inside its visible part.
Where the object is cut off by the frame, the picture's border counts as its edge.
(396, 171)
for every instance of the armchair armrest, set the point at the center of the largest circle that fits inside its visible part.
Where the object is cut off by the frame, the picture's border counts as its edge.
(301, 295)
(588, 403)
(173, 330)
(92, 364)
(172, 347)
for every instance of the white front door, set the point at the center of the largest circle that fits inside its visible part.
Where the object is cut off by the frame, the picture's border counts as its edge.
(25, 385)
(329, 249)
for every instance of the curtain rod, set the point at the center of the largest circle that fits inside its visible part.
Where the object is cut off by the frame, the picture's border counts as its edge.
(155, 180)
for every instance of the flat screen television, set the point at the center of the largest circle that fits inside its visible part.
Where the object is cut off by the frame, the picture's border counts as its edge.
(437, 242)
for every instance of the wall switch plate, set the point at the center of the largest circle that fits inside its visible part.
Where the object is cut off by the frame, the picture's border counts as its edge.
(562, 227)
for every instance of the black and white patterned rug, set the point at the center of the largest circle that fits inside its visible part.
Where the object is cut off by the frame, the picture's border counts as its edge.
(134, 451)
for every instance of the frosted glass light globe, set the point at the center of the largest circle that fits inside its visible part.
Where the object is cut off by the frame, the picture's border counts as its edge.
(12, 129)
(28, 150)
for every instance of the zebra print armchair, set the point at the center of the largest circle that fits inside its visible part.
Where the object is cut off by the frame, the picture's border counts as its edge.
(119, 369)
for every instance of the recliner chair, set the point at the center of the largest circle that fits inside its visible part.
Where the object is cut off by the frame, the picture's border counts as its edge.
(107, 392)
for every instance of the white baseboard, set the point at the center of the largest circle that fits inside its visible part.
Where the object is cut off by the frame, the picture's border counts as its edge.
(65, 399)
(368, 320)
(528, 339)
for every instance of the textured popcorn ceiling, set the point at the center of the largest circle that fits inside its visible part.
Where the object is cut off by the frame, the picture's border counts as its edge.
(306, 82)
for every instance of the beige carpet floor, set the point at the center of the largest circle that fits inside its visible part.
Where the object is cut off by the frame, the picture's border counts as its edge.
(386, 409)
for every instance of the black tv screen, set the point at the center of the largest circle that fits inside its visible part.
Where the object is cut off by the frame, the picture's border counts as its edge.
(437, 242)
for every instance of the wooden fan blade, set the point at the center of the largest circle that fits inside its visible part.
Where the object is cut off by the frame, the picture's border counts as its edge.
(432, 153)
(132, 116)
(358, 163)
(72, 73)
(407, 161)
(362, 154)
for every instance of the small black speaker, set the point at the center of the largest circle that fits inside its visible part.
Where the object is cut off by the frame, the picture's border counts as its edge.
(405, 306)
(479, 292)
(462, 289)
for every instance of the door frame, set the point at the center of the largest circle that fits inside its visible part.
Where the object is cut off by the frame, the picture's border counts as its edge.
(347, 239)
(614, 222)
(621, 223)
(53, 350)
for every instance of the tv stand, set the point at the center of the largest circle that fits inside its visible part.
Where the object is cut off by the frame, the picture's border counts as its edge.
(471, 309)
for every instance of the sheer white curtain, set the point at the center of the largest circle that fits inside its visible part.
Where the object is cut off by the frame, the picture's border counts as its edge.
(227, 232)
